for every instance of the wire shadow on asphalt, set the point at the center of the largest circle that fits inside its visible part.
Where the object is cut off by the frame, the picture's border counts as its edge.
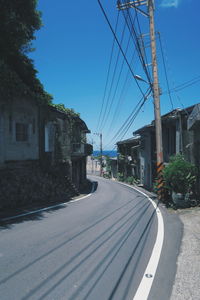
(25, 215)
(114, 247)
(67, 241)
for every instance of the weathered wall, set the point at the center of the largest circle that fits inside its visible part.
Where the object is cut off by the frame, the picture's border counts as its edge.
(146, 160)
(15, 146)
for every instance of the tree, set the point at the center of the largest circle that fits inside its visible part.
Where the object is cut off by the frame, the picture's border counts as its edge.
(19, 19)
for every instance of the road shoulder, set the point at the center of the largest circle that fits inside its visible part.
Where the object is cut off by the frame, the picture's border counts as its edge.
(186, 285)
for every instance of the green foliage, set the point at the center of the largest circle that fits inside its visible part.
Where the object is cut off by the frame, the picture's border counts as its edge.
(106, 175)
(68, 111)
(12, 85)
(179, 175)
(120, 177)
(19, 19)
(155, 186)
(132, 180)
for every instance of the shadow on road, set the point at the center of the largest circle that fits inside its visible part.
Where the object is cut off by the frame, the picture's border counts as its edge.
(95, 186)
(19, 216)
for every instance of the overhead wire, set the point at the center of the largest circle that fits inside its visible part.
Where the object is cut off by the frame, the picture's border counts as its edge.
(125, 127)
(111, 28)
(184, 85)
(165, 70)
(169, 68)
(120, 100)
(129, 121)
(142, 54)
(137, 45)
(135, 115)
(180, 87)
(107, 107)
(118, 80)
(108, 73)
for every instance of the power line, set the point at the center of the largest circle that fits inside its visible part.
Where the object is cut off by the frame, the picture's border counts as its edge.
(118, 80)
(165, 69)
(184, 85)
(121, 96)
(129, 121)
(142, 57)
(173, 90)
(112, 82)
(134, 116)
(108, 72)
(105, 15)
(137, 45)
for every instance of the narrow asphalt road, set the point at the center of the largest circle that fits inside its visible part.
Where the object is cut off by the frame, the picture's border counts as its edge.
(95, 248)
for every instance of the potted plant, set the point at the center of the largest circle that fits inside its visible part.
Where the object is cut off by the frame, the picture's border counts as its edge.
(179, 176)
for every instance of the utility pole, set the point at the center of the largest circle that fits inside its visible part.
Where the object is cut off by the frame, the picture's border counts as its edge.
(101, 153)
(155, 85)
(156, 90)
(92, 158)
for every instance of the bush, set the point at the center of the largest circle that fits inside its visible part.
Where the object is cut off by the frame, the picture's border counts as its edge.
(130, 180)
(120, 177)
(179, 175)
(106, 175)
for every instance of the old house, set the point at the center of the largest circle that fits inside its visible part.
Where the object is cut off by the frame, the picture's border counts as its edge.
(180, 132)
(63, 141)
(128, 157)
(42, 152)
(80, 149)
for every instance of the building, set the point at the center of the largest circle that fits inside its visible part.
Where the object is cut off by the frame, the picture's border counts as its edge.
(128, 157)
(180, 133)
(63, 142)
(42, 152)
(19, 131)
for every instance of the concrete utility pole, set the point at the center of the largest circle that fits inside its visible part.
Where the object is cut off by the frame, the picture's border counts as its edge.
(155, 85)
(92, 158)
(156, 90)
(101, 153)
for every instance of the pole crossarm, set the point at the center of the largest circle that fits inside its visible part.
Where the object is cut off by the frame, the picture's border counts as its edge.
(133, 4)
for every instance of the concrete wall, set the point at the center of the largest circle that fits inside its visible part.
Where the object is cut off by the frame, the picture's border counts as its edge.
(20, 111)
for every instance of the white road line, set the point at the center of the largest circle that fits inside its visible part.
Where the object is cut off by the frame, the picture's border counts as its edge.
(47, 208)
(76, 200)
(150, 272)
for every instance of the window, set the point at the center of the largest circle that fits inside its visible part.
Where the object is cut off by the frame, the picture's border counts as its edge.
(21, 132)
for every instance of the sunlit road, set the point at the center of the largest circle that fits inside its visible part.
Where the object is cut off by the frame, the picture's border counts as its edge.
(95, 248)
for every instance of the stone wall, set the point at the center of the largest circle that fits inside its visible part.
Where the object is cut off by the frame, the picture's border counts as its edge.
(25, 184)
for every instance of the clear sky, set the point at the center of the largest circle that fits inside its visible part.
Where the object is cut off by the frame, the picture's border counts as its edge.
(72, 57)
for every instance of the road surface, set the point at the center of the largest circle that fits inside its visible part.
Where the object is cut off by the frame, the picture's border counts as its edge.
(96, 248)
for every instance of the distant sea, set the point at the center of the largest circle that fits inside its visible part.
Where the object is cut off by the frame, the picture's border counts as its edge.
(111, 153)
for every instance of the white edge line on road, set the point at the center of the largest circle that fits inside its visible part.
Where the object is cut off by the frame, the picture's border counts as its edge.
(146, 282)
(47, 208)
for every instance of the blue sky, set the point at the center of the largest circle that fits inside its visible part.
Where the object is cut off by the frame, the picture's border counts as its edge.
(72, 58)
